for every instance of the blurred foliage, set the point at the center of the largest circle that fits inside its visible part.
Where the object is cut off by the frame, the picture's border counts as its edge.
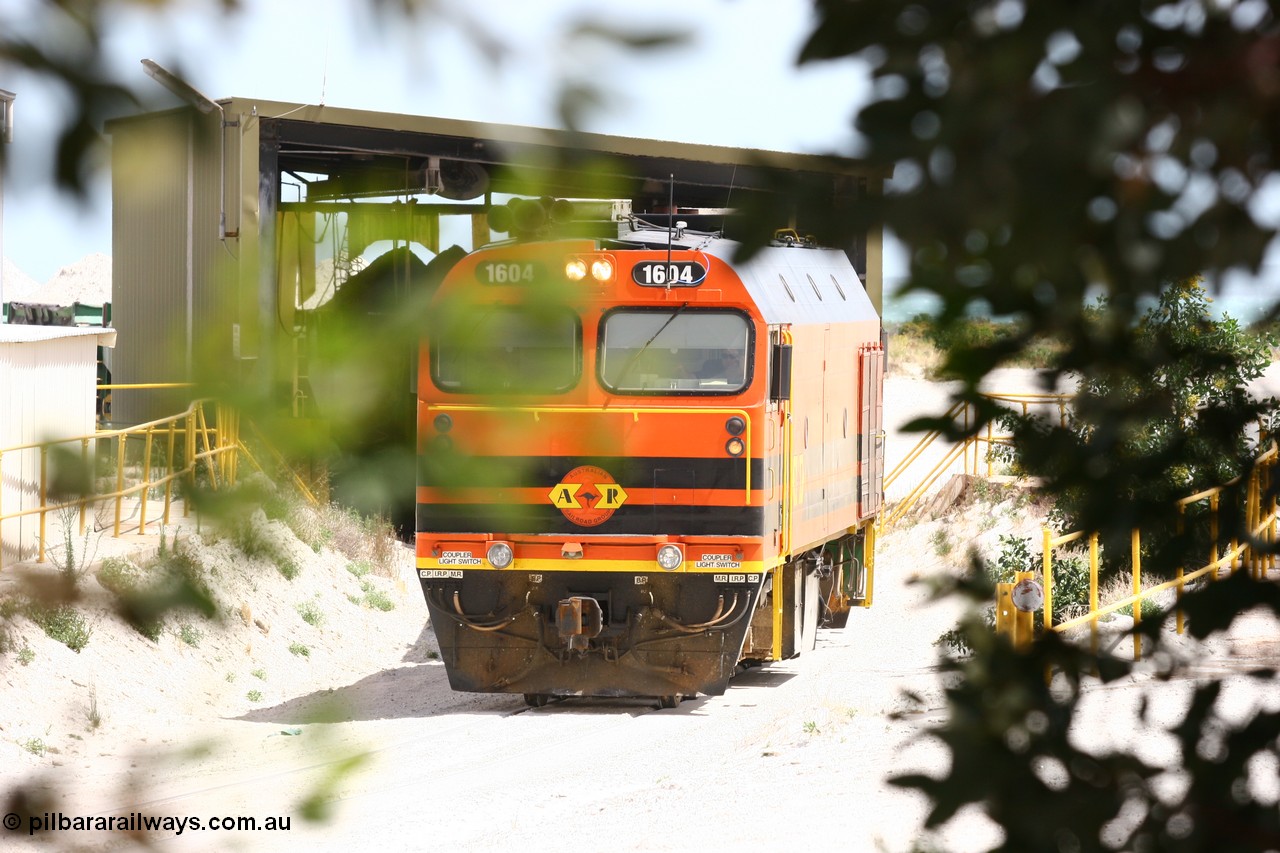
(1015, 752)
(1070, 586)
(971, 332)
(1188, 428)
(1045, 153)
(67, 43)
(1042, 152)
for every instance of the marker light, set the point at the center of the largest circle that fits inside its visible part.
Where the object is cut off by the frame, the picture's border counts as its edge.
(602, 269)
(500, 555)
(734, 446)
(575, 270)
(735, 425)
(670, 557)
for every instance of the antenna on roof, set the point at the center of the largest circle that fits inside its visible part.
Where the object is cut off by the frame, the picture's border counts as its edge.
(671, 215)
(724, 225)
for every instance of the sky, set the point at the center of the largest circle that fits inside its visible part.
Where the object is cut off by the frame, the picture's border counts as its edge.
(734, 82)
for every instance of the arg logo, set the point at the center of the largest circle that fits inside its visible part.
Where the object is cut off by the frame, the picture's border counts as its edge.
(587, 496)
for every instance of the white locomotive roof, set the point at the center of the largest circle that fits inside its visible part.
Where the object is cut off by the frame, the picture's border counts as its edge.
(789, 284)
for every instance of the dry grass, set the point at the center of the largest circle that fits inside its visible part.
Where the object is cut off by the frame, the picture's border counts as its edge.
(917, 350)
(359, 538)
(911, 354)
(1120, 586)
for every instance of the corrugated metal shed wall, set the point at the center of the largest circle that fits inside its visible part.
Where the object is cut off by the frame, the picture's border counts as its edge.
(49, 393)
(165, 263)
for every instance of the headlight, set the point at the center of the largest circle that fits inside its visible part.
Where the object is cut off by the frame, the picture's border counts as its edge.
(734, 446)
(575, 270)
(602, 269)
(670, 557)
(500, 555)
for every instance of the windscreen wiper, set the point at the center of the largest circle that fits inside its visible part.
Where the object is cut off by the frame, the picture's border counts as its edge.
(632, 361)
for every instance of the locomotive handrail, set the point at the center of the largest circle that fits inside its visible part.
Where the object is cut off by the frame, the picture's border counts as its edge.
(635, 412)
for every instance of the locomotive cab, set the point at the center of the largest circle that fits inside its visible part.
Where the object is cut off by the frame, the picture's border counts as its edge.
(642, 464)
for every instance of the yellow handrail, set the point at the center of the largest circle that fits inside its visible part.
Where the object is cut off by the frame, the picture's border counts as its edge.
(1261, 527)
(962, 412)
(220, 444)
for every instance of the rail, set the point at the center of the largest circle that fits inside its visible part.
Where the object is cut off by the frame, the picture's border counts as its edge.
(212, 448)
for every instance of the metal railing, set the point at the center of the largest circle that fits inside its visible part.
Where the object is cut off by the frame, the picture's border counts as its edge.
(1256, 553)
(969, 451)
(178, 447)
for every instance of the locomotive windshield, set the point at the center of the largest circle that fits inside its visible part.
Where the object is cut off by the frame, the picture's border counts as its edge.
(508, 350)
(697, 351)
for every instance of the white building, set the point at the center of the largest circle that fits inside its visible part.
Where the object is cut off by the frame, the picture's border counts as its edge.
(48, 388)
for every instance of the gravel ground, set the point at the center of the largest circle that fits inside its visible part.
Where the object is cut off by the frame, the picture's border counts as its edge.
(365, 725)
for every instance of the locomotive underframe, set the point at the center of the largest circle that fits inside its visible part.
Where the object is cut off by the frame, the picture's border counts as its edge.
(652, 635)
(596, 632)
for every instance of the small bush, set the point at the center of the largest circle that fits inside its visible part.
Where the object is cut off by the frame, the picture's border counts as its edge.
(33, 745)
(277, 506)
(72, 557)
(26, 656)
(288, 567)
(151, 628)
(259, 674)
(359, 568)
(376, 598)
(941, 542)
(252, 540)
(63, 623)
(310, 613)
(118, 575)
(300, 650)
(190, 634)
(169, 580)
(254, 695)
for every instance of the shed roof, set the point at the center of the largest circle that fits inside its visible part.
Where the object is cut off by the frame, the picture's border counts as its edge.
(366, 152)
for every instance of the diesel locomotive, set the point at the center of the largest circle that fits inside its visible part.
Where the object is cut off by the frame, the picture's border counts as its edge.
(643, 464)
